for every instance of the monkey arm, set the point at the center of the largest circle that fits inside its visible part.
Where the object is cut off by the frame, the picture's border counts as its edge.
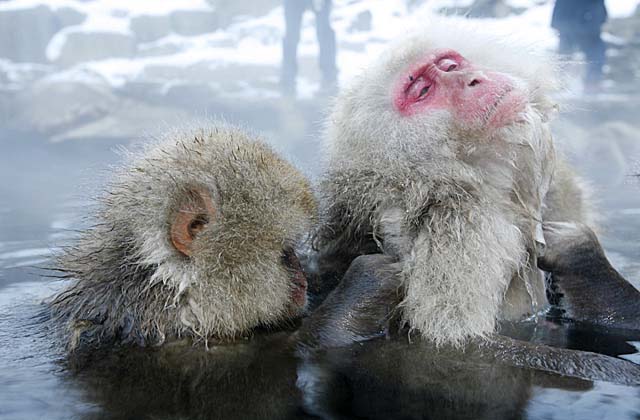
(359, 308)
(455, 281)
(566, 362)
(591, 290)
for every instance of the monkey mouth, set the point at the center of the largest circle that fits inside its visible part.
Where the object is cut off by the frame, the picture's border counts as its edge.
(505, 109)
(298, 278)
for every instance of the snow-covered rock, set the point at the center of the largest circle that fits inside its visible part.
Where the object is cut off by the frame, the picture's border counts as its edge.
(147, 28)
(129, 120)
(68, 16)
(80, 46)
(26, 32)
(52, 105)
(194, 22)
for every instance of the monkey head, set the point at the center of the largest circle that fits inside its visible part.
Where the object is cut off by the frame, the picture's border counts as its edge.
(443, 93)
(197, 238)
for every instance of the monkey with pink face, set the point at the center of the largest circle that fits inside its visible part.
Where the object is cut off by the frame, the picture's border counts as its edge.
(441, 156)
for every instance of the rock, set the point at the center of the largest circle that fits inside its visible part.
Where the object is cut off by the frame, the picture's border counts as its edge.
(193, 22)
(156, 50)
(69, 17)
(87, 46)
(14, 76)
(148, 28)
(50, 106)
(227, 10)
(25, 33)
(486, 9)
(129, 120)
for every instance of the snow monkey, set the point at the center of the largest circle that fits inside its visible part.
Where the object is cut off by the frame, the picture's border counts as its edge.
(195, 238)
(440, 154)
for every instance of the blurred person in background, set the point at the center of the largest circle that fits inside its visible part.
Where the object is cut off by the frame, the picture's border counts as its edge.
(293, 11)
(579, 23)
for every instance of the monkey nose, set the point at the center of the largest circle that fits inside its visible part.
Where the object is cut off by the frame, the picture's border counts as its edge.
(473, 82)
(465, 80)
(473, 79)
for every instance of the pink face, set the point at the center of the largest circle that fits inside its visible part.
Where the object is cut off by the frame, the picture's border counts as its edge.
(446, 80)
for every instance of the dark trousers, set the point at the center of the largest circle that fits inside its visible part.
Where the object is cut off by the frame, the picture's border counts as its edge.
(593, 47)
(293, 11)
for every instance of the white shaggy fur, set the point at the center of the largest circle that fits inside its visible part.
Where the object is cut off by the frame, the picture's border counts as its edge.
(460, 208)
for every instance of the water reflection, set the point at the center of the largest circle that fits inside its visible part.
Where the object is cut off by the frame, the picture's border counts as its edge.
(406, 384)
(382, 380)
(252, 380)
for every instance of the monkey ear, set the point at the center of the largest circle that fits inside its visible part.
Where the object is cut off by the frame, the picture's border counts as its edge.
(194, 214)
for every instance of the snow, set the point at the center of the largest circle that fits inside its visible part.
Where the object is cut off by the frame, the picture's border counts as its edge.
(103, 8)
(621, 8)
(257, 41)
(80, 75)
(17, 73)
(116, 71)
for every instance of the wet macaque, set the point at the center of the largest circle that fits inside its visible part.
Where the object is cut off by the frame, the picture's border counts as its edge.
(583, 282)
(195, 238)
(440, 155)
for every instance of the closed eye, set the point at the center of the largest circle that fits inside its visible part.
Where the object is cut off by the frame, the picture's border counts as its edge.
(448, 64)
(418, 89)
